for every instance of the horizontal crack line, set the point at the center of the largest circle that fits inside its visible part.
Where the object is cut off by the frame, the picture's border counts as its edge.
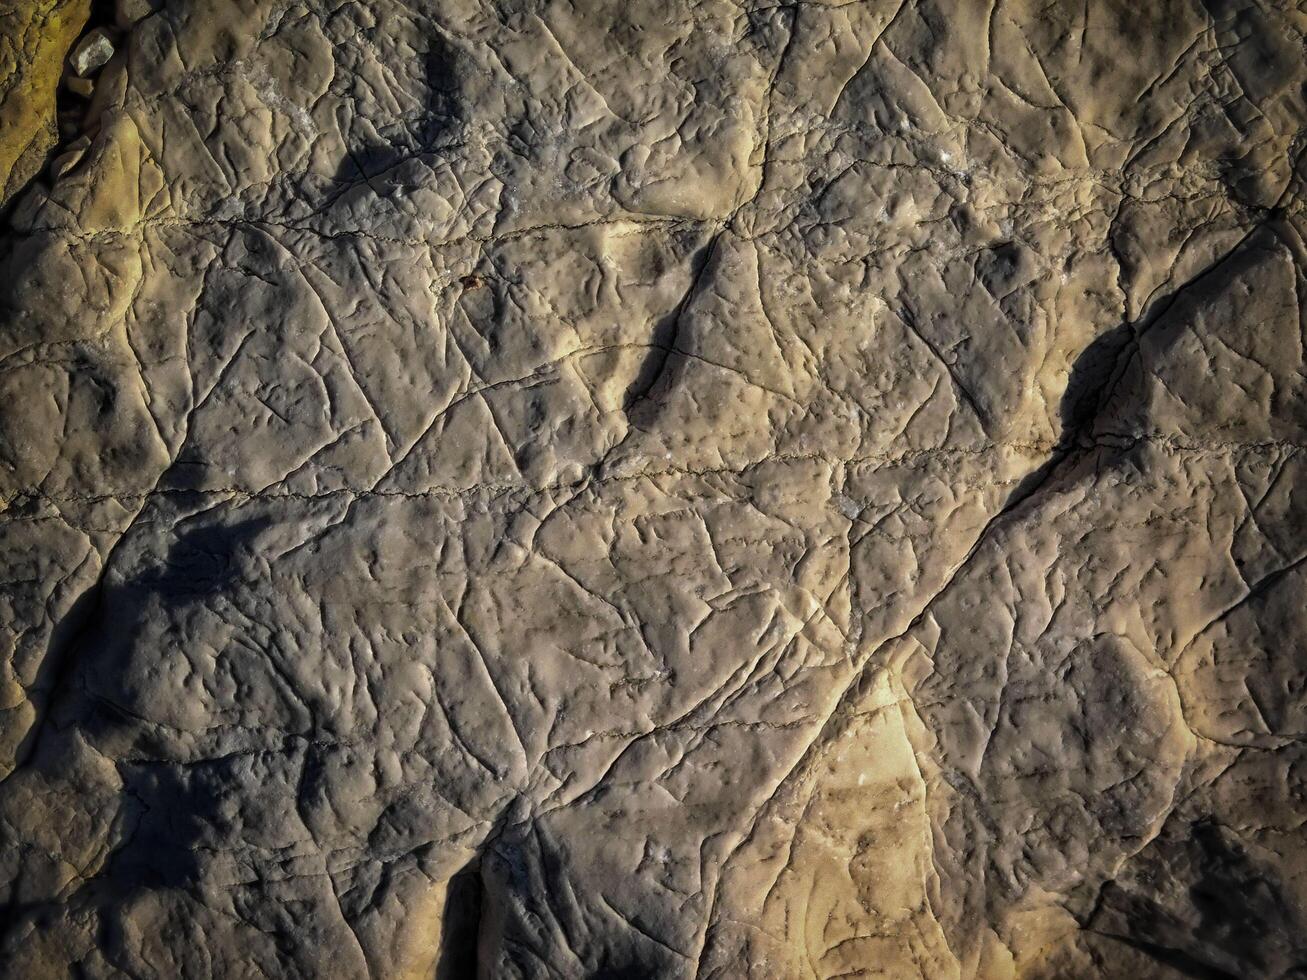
(1111, 441)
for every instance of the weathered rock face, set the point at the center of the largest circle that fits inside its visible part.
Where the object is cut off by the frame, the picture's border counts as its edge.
(35, 35)
(657, 489)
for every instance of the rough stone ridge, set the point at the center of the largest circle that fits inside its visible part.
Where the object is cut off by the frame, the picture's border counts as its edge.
(707, 489)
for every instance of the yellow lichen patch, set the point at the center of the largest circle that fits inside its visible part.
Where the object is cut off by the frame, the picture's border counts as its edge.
(35, 36)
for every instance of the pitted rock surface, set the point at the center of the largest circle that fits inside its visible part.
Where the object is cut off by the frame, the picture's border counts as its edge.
(714, 489)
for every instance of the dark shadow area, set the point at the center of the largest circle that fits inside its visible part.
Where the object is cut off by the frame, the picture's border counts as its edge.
(169, 810)
(93, 632)
(203, 559)
(655, 370)
(1090, 373)
(178, 807)
(542, 918)
(1227, 919)
(57, 668)
(1098, 371)
(96, 635)
(443, 113)
(460, 926)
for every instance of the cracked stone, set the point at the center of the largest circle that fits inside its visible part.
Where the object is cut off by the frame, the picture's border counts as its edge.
(677, 489)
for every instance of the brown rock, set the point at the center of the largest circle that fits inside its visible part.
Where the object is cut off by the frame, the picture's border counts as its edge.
(129, 12)
(661, 489)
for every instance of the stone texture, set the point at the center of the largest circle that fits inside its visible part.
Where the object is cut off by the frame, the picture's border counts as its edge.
(661, 489)
(34, 37)
(91, 53)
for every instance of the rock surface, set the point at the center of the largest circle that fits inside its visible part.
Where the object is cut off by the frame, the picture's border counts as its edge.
(658, 489)
(35, 35)
(92, 53)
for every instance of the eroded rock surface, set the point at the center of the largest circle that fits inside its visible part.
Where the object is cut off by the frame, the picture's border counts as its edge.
(658, 489)
(35, 35)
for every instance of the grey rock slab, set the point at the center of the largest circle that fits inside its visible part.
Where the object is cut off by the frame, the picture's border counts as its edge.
(91, 53)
